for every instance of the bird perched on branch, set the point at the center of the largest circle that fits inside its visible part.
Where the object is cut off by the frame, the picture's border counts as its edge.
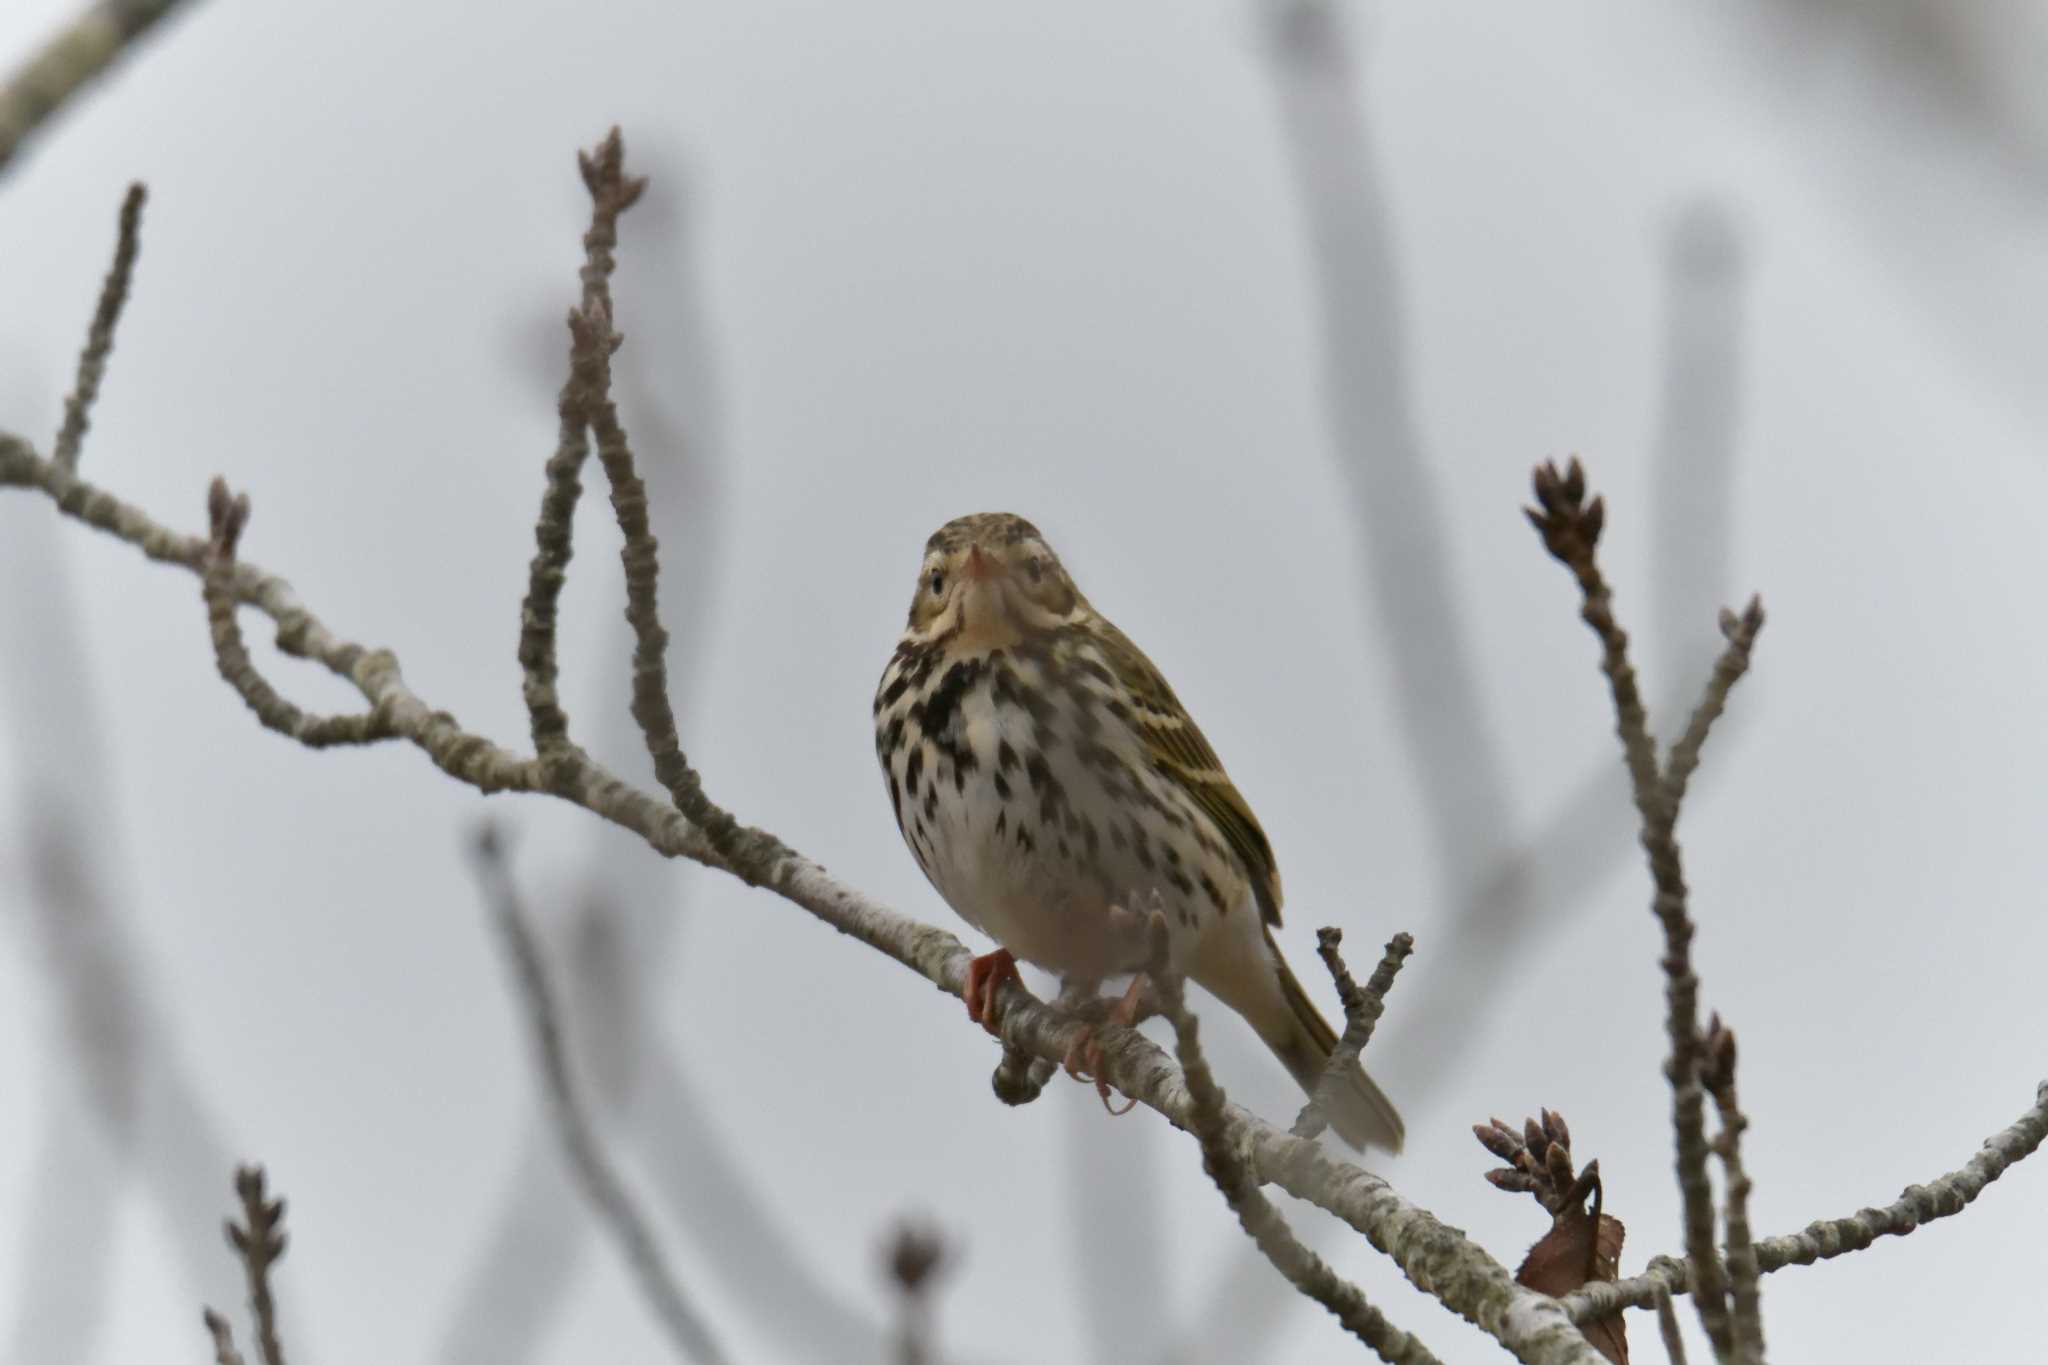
(1048, 780)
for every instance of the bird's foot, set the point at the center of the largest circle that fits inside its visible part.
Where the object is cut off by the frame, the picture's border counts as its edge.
(985, 977)
(1084, 1060)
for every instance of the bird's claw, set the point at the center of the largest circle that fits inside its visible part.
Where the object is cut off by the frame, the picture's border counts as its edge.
(986, 976)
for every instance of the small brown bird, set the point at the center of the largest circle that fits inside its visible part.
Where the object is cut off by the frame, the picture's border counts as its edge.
(1045, 776)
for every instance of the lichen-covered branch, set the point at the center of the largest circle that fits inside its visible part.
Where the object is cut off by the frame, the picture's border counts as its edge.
(1667, 1328)
(73, 57)
(1305, 1270)
(683, 1323)
(1439, 1259)
(99, 338)
(1942, 1197)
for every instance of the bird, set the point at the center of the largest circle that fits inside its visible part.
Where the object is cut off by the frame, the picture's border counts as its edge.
(1047, 778)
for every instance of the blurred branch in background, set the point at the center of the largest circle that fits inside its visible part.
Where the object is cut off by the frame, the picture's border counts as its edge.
(1692, 534)
(120, 1101)
(1502, 893)
(74, 57)
(916, 1255)
(1116, 1218)
(1454, 761)
(602, 1185)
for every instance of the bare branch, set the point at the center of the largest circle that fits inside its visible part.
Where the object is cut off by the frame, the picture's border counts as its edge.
(1227, 1166)
(1534, 1327)
(1744, 1289)
(228, 516)
(99, 338)
(1570, 527)
(1362, 1011)
(1667, 1327)
(611, 194)
(465, 756)
(73, 58)
(1433, 1255)
(259, 1240)
(1740, 632)
(1942, 1197)
(600, 1181)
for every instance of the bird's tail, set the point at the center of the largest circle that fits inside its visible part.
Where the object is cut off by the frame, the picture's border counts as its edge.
(1303, 1041)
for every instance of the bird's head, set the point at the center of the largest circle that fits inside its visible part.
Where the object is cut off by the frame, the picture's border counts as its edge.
(991, 580)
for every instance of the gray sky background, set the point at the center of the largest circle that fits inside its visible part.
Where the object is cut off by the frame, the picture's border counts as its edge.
(909, 259)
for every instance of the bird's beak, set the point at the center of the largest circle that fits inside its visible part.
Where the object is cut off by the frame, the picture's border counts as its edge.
(980, 567)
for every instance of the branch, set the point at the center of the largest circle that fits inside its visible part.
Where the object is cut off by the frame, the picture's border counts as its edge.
(260, 1242)
(74, 56)
(1362, 1010)
(224, 1352)
(1667, 1327)
(601, 1183)
(1437, 1258)
(1570, 527)
(99, 338)
(1744, 1290)
(1227, 1166)
(1942, 1197)
(227, 515)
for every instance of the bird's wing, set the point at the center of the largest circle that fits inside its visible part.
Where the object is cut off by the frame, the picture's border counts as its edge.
(1179, 752)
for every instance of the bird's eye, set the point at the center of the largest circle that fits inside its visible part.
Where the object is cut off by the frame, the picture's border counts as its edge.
(938, 583)
(1035, 567)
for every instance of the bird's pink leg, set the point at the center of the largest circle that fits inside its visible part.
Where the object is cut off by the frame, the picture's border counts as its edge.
(1084, 1055)
(985, 977)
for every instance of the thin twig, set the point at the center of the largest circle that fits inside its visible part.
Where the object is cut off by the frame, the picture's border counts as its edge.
(609, 197)
(1744, 1291)
(1667, 1327)
(99, 338)
(591, 362)
(228, 516)
(601, 1183)
(259, 1240)
(223, 1333)
(1943, 1197)
(74, 56)
(1227, 1166)
(1570, 527)
(1362, 1011)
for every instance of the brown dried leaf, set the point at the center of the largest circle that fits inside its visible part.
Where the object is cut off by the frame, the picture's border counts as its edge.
(1559, 1264)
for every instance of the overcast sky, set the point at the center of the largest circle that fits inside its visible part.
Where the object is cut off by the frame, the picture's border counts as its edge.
(1779, 268)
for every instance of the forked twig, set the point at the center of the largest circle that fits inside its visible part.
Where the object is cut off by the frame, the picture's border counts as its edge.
(1227, 1166)
(1570, 526)
(1362, 1011)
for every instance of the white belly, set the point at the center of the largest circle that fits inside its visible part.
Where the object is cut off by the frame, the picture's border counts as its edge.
(1036, 844)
